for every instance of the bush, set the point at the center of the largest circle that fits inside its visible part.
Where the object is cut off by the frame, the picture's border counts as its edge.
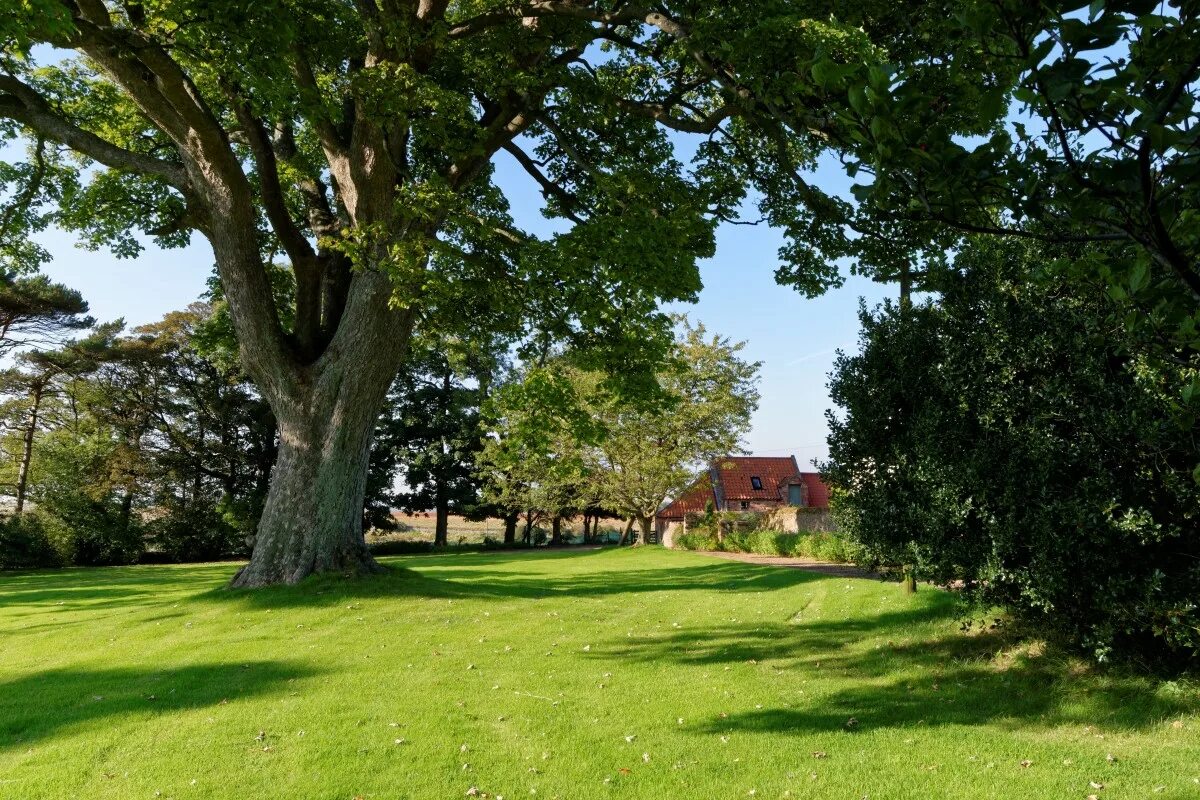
(1015, 436)
(26, 542)
(696, 541)
(823, 546)
(196, 532)
(91, 533)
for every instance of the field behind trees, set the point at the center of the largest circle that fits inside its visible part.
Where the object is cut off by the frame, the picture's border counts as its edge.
(631, 673)
(420, 527)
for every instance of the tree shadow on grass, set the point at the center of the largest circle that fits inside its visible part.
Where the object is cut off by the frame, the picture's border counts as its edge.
(458, 580)
(944, 678)
(39, 705)
(93, 588)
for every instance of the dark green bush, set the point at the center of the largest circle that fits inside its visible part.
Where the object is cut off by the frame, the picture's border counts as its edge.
(196, 532)
(26, 542)
(91, 533)
(1018, 437)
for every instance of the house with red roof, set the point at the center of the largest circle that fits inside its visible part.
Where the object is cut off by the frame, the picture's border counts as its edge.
(744, 483)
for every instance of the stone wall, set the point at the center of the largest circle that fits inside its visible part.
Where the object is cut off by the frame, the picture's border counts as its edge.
(791, 519)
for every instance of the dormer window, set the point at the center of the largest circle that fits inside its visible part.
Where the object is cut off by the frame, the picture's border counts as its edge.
(756, 482)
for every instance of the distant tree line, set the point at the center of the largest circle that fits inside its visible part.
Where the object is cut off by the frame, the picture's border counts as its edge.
(153, 443)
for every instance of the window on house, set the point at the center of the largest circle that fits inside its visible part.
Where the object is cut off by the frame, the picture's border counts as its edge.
(745, 505)
(756, 482)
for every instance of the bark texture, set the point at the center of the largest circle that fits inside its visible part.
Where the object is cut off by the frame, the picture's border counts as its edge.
(312, 518)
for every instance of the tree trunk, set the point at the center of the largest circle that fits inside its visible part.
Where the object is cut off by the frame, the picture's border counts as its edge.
(528, 534)
(646, 524)
(441, 529)
(126, 509)
(510, 528)
(441, 503)
(906, 282)
(628, 530)
(326, 412)
(556, 530)
(27, 448)
(910, 580)
(587, 528)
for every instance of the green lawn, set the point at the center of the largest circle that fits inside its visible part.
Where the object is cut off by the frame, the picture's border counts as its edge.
(634, 673)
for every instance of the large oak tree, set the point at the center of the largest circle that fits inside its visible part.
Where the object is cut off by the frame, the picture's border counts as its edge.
(355, 143)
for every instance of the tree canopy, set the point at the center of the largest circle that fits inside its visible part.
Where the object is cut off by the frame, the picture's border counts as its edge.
(354, 146)
(560, 441)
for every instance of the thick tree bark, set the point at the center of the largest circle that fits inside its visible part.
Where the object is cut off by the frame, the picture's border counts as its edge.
(556, 530)
(510, 528)
(312, 519)
(27, 447)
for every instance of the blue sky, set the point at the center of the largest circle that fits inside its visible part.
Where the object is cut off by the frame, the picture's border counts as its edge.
(794, 338)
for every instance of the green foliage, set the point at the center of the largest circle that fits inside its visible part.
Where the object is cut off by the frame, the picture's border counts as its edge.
(140, 428)
(27, 542)
(570, 439)
(822, 546)
(1011, 436)
(1099, 146)
(697, 540)
(428, 436)
(83, 497)
(93, 533)
(35, 312)
(193, 532)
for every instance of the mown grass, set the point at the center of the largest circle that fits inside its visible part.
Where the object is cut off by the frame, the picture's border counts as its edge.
(627, 674)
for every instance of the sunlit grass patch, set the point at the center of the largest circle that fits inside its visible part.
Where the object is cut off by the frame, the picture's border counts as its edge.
(630, 673)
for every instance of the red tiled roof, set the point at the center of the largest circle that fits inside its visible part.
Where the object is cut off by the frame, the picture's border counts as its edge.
(736, 472)
(818, 490)
(692, 501)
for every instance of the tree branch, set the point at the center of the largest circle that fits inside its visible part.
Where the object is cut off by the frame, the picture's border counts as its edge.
(549, 187)
(22, 103)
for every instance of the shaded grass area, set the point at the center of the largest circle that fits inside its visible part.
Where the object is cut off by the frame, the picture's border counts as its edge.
(622, 673)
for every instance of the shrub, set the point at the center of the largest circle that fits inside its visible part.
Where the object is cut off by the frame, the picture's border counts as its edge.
(26, 542)
(824, 546)
(196, 532)
(699, 540)
(90, 533)
(1015, 436)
